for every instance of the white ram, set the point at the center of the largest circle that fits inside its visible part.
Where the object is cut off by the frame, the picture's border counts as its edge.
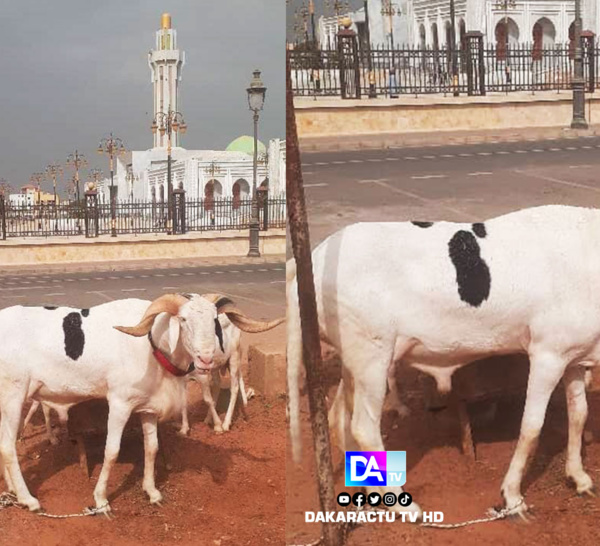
(65, 356)
(440, 295)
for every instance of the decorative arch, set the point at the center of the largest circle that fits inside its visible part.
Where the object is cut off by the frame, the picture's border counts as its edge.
(212, 190)
(422, 36)
(544, 35)
(434, 37)
(240, 191)
(507, 34)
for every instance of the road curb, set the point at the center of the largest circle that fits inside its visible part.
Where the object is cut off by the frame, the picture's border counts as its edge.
(441, 138)
(173, 263)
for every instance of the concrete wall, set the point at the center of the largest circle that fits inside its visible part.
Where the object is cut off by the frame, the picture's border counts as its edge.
(335, 118)
(57, 251)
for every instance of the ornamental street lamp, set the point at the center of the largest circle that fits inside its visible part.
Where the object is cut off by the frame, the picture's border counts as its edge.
(52, 172)
(76, 160)
(389, 9)
(256, 100)
(36, 179)
(578, 121)
(167, 123)
(112, 146)
(5, 187)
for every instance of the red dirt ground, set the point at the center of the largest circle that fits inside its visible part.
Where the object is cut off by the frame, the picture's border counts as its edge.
(441, 478)
(222, 490)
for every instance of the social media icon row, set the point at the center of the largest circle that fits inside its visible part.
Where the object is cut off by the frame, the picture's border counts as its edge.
(374, 499)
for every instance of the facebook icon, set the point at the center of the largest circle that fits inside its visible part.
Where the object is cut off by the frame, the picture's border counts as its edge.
(372, 468)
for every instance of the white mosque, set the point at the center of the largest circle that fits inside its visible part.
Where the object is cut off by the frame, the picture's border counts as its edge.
(426, 23)
(201, 173)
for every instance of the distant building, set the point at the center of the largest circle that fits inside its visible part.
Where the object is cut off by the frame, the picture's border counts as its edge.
(30, 195)
(201, 173)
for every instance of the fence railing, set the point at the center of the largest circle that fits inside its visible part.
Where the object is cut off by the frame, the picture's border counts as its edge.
(90, 218)
(383, 72)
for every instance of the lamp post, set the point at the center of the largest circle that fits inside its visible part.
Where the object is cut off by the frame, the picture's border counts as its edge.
(167, 123)
(76, 160)
(36, 179)
(112, 146)
(52, 172)
(578, 121)
(453, 51)
(372, 92)
(311, 9)
(390, 9)
(256, 100)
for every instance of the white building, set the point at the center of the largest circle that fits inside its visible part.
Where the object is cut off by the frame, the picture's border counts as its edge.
(201, 173)
(426, 23)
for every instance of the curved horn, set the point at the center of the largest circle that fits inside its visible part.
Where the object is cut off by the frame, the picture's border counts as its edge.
(169, 303)
(244, 323)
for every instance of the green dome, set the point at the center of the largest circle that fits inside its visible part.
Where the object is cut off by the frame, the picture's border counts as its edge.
(246, 144)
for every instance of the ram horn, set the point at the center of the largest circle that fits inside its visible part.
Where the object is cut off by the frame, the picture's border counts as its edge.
(244, 323)
(169, 303)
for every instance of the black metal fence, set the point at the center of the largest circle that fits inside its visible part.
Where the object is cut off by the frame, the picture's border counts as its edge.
(383, 72)
(90, 218)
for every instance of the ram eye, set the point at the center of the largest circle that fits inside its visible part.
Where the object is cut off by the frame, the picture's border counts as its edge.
(182, 319)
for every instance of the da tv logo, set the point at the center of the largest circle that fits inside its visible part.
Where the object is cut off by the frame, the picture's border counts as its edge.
(372, 468)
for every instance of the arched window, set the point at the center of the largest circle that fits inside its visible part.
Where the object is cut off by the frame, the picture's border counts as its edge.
(572, 40)
(241, 191)
(544, 34)
(422, 36)
(507, 34)
(434, 36)
(213, 190)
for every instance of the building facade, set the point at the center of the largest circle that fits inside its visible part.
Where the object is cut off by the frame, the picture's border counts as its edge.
(201, 173)
(426, 23)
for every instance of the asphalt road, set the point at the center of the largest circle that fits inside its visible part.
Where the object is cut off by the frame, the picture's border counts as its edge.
(258, 288)
(457, 183)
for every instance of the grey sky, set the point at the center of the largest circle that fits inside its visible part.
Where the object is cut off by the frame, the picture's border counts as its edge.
(75, 70)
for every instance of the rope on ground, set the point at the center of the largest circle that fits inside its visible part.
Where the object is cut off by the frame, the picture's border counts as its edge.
(10, 499)
(494, 516)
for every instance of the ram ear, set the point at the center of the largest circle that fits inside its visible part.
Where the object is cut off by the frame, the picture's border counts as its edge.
(174, 331)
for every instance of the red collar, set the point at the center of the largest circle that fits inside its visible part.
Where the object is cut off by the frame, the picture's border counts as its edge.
(166, 363)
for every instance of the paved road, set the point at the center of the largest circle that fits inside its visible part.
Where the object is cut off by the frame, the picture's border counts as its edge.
(459, 183)
(257, 288)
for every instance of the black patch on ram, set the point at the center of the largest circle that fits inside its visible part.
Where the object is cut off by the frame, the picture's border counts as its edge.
(479, 230)
(51, 307)
(472, 273)
(85, 312)
(74, 336)
(422, 224)
(219, 332)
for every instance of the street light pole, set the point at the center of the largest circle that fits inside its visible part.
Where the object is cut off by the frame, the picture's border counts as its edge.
(112, 146)
(37, 178)
(166, 123)
(453, 51)
(578, 121)
(256, 99)
(76, 160)
(372, 92)
(52, 171)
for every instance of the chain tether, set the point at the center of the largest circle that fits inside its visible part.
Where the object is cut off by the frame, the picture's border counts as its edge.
(10, 499)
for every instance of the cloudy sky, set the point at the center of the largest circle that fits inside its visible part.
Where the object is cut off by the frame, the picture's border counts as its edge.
(73, 70)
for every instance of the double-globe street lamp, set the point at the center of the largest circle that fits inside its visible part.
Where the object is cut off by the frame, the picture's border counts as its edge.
(256, 100)
(76, 160)
(112, 146)
(36, 179)
(167, 123)
(53, 171)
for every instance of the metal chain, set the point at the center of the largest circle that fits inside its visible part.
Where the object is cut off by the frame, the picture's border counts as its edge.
(494, 516)
(10, 499)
